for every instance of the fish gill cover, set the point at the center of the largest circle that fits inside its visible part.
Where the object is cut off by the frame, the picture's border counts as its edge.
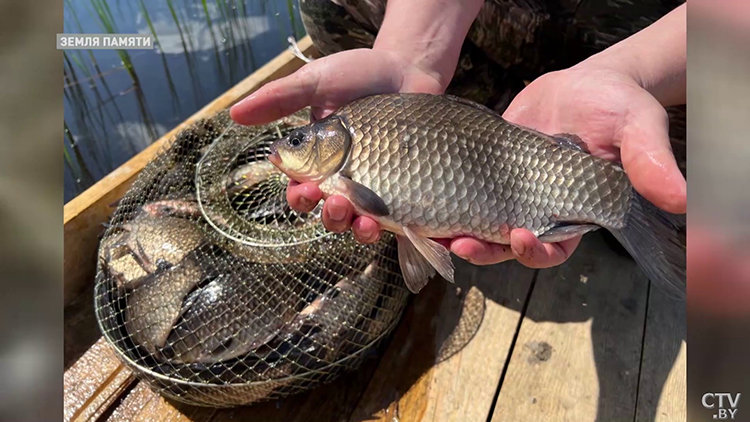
(216, 293)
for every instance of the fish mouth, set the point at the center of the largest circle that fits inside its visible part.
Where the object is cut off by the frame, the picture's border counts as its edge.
(274, 156)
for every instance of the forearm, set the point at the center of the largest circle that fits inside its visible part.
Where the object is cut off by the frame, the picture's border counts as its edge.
(428, 32)
(655, 57)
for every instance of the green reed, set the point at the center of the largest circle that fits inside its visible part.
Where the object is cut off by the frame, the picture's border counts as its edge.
(167, 73)
(248, 38)
(104, 14)
(197, 97)
(100, 107)
(228, 36)
(293, 21)
(76, 96)
(217, 56)
(92, 58)
(77, 165)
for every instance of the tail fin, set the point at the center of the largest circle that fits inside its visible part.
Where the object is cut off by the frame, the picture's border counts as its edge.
(653, 238)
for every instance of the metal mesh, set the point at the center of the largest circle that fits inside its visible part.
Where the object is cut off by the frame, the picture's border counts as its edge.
(216, 293)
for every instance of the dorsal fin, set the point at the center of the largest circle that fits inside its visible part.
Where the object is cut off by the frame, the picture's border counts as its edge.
(571, 141)
(470, 103)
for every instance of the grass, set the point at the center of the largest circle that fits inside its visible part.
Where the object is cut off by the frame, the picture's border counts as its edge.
(217, 56)
(107, 23)
(167, 73)
(197, 91)
(100, 95)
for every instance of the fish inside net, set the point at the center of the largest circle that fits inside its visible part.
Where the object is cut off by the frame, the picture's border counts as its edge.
(215, 292)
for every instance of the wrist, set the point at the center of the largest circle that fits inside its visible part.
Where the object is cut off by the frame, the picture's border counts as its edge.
(654, 58)
(427, 34)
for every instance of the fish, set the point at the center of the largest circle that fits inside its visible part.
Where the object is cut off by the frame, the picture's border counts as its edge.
(337, 315)
(158, 242)
(232, 315)
(126, 269)
(185, 207)
(155, 305)
(246, 176)
(427, 167)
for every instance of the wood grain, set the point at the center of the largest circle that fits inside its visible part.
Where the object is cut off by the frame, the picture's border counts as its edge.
(578, 351)
(84, 214)
(447, 357)
(94, 383)
(662, 394)
(144, 405)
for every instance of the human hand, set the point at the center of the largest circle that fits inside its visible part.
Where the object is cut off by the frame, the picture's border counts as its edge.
(617, 119)
(614, 102)
(326, 84)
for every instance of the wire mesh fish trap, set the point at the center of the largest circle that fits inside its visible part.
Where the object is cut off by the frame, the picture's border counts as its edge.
(216, 293)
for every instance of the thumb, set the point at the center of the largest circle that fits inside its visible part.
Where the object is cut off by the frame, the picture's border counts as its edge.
(648, 159)
(279, 98)
(325, 84)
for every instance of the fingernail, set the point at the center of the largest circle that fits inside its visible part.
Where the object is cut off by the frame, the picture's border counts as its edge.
(519, 250)
(336, 213)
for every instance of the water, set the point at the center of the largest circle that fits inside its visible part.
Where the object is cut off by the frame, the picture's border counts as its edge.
(119, 102)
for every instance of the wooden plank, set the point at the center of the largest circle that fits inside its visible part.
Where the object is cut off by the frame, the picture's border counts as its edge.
(447, 356)
(94, 383)
(662, 392)
(144, 405)
(578, 351)
(80, 330)
(84, 214)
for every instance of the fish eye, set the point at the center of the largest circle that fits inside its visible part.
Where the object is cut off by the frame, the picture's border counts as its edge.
(295, 139)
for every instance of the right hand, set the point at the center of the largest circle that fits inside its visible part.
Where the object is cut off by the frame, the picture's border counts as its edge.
(326, 84)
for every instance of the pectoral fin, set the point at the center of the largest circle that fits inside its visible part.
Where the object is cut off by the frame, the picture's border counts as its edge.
(420, 258)
(558, 234)
(364, 198)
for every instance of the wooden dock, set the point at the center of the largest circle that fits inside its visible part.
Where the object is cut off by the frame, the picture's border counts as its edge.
(590, 340)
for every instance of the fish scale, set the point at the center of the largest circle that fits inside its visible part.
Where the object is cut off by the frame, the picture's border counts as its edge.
(436, 166)
(525, 181)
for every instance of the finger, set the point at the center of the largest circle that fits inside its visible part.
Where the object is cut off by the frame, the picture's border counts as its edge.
(277, 99)
(337, 214)
(366, 230)
(479, 252)
(324, 84)
(303, 197)
(531, 252)
(648, 159)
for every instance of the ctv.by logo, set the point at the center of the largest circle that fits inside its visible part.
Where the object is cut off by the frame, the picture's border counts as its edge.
(711, 400)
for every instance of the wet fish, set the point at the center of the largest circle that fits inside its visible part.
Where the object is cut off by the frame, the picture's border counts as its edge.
(336, 315)
(249, 175)
(126, 269)
(158, 242)
(437, 166)
(189, 208)
(186, 207)
(230, 316)
(155, 305)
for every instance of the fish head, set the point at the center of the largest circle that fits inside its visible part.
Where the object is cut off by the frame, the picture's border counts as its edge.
(314, 152)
